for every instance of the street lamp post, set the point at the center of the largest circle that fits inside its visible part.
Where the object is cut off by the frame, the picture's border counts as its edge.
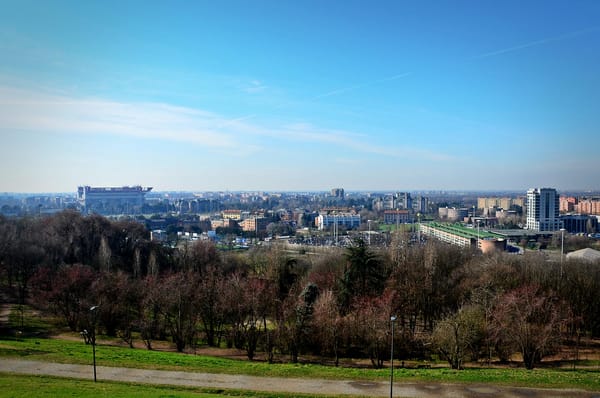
(392, 320)
(562, 250)
(93, 336)
(419, 228)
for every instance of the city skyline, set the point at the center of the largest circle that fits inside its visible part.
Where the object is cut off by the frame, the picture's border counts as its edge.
(299, 96)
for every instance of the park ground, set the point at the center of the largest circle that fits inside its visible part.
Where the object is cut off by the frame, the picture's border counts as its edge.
(14, 368)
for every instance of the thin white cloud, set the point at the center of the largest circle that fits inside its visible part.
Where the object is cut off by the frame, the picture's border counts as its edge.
(358, 143)
(254, 86)
(537, 43)
(29, 111)
(26, 110)
(258, 86)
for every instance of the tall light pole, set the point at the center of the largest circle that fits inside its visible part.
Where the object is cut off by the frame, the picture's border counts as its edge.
(93, 336)
(419, 228)
(392, 320)
(562, 251)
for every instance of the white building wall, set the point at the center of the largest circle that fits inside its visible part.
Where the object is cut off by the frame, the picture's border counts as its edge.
(348, 220)
(543, 210)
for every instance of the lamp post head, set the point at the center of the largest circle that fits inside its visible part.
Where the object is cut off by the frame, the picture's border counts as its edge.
(93, 308)
(393, 318)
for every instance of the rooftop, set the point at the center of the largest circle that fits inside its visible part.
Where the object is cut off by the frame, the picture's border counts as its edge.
(465, 232)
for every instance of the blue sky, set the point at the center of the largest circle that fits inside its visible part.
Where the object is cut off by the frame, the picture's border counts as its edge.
(299, 95)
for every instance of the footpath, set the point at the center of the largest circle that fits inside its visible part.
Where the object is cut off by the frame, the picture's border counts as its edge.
(282, 385)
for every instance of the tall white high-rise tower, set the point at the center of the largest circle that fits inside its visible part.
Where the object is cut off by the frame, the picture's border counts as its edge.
(543, 210)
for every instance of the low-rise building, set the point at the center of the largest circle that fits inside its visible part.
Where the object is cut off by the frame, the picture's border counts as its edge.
(580, 223)
(232, 214)
(457, 234)
(452, 213)
(348, 220)
(255, 224)
(397, 217)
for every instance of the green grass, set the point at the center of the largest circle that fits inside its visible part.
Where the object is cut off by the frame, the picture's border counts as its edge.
(28, 322)
(394, 227)
(108, 354)
(45, 386)
(64, 351)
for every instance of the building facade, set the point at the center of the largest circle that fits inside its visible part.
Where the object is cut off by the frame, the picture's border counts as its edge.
(452, 213)
(255, 224)
(112, 200)
(567, 203)
(396, 217)
(588, 206)
(348, 220)
(505, 203)
(458, 235)
(232, 214)
(543, 206)
(580, 223)
(338, 193)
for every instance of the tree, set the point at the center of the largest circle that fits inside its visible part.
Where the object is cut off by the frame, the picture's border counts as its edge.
(150, 321)
(66, 229)
(459, 335)
(529, 320)
(364, 274)
(118, 299)
(369, 321)
(280, 228)
(66, 293)
(250, 302)
(8, 239)
(329, 324)
(295, 320)
(211, 304)
(204, 255)
(104, 255)
(580, 286)
(179, 299)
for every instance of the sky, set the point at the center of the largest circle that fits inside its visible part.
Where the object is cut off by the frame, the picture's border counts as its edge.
(294, 95)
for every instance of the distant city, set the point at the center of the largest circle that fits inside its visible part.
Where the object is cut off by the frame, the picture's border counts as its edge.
(484, 220)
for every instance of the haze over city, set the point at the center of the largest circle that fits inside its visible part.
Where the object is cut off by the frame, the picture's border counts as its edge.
(285, 95)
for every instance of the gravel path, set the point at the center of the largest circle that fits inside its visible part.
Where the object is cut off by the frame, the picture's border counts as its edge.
(4, 313)
(307, 386)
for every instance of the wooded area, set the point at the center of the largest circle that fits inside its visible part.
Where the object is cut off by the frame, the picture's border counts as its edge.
(450, 302)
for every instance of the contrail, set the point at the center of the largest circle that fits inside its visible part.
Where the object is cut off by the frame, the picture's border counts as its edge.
(523, 46)
(357, 86)
(327, 94)
(537, 43)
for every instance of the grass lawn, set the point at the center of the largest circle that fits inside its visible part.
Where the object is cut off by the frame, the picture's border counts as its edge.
(109, 354)
(46, 386)
(66, 351)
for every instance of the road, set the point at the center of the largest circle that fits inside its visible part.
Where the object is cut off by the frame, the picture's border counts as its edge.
(270, 384)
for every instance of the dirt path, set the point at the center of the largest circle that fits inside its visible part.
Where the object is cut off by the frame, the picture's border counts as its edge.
(5, 310)
(307, 386)
(4, 313)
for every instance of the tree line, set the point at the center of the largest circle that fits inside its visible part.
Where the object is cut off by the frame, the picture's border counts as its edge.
(450, 302)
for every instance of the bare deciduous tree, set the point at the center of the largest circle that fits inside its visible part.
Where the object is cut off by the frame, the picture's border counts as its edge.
(459, 336)
(529, 320)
